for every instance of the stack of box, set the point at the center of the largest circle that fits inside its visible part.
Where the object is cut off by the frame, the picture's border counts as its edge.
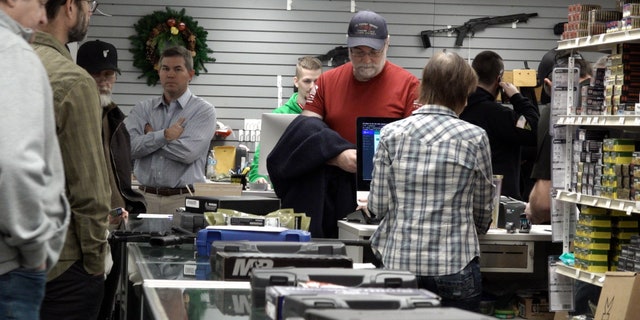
(587, 155)
(630, 16)
(592, 241)
(634, 170)
(623, 228)
(617, 177)
(592, 96)
(623, 79)
(629, 259)
(580, 24)
(601, 238)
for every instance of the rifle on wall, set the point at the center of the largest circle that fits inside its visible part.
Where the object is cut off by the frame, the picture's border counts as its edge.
(474, 25)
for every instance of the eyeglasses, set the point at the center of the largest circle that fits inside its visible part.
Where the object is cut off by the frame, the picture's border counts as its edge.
(106, 75)
(361, 53)
(93, 5)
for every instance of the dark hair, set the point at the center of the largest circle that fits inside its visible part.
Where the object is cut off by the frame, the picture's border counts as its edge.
(53, 6)
(488, 66)
(179, 51)
(447, 80)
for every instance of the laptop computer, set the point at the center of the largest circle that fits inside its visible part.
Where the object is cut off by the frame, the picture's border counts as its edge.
(367, 139)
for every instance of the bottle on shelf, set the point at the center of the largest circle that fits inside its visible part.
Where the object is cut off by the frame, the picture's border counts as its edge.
(211, 165)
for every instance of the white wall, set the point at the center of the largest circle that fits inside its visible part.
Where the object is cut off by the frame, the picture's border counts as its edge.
(256, 40)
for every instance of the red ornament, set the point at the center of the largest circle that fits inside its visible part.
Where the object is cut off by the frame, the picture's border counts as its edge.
(171, 22)
(182, 26)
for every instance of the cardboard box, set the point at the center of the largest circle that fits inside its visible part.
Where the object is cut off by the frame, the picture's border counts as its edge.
(217, 189)
(520, 77)
(534, 306)
(619, 297)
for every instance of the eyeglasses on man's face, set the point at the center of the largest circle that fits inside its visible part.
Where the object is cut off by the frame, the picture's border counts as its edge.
(359, 53)
(105, 75)
(93, 5)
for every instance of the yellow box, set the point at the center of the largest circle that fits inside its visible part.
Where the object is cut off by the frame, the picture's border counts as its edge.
(524, 78)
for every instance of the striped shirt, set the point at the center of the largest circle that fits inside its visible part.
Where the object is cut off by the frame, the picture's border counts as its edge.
(432, 183)
(171, 164)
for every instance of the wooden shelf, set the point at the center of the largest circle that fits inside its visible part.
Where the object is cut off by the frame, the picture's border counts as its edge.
(585, 276)
(600, 202)
(601, 42)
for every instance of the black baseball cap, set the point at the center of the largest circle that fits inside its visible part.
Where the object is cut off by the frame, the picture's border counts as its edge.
(367, 28)
(96, 56)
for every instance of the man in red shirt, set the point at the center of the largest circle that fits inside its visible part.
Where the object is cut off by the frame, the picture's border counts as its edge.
(368, 86)
(313, 166)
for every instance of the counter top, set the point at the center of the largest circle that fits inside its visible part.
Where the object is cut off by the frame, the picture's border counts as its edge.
(537, 232)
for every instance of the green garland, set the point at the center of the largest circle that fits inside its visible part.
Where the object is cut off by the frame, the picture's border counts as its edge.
(161, 28)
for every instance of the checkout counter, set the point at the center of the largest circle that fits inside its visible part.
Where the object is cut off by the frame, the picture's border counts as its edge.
(501, 251)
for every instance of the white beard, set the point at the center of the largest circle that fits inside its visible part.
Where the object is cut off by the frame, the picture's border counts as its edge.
(105, 100)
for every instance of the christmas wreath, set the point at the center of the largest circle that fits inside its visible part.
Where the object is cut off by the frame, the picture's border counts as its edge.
(161, 29)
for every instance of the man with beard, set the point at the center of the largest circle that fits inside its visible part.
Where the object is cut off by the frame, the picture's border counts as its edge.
(368, 86)
(100, 59)
(75, 284)
(508, 128)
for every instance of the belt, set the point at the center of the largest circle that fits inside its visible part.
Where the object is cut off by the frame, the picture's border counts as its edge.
(164, 191)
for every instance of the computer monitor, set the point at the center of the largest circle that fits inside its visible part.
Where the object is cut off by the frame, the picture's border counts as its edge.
(271, 128)
(367, 139)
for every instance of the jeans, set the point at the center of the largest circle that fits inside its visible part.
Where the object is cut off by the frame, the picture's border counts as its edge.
(21, 293)
(461, 290)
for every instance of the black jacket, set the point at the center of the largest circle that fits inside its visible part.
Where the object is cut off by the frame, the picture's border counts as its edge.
(506, 133)
(120, 160)
(302, 179)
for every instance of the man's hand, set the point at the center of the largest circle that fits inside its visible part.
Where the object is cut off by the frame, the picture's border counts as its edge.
(148, 128)
(261, 180)
(346, 160)
(175, 131)
(509, 89)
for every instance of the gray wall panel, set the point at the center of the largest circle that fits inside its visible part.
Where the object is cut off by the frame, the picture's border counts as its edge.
(254, 41)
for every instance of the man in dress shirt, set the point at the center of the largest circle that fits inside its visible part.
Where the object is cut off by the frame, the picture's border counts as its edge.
(170, 135)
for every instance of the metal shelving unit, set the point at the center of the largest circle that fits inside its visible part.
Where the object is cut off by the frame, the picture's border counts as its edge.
(606, 43)
(585, 276)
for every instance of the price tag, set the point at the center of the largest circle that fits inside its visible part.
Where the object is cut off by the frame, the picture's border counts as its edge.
(588, 120)
(629, 209)
(570, 120)
(578, 197)
(594, 202)
(607, 204)
(621, 206)
(561, 120)
(601, 37)
(595, 120)
(577, 273)
(577, 41)
(579, 120)
(621, 121)
(636, 121)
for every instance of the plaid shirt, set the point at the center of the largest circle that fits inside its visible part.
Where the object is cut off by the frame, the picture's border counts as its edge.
(432, 183)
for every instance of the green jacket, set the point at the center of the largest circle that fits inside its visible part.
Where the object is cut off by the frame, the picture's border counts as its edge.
(290, 107)
(79, 126)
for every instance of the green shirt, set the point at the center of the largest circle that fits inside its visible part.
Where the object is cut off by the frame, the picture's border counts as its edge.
(78, 117)
(290, 107)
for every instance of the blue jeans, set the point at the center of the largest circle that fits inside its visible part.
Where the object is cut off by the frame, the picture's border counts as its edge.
(21, 293)
(461, 290)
